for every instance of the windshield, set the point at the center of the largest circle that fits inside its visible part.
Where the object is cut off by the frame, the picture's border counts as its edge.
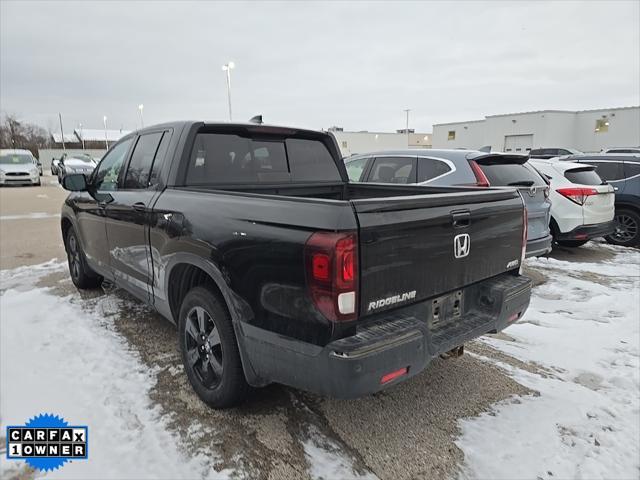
(82, 158)
(15, 159)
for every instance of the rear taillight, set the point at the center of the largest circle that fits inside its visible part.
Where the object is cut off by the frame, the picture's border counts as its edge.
(481, 178)
(523, 253)
(577, 195)
(331, 262)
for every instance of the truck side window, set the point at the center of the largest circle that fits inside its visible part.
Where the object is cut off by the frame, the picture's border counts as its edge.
(393, 170)
(141, 160)
(160, 158)
(106, 177)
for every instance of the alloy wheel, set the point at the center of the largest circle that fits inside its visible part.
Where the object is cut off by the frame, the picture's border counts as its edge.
(73, 255)
(626, 229)
(203, 347)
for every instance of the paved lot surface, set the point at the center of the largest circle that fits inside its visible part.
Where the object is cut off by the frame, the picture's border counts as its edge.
(405, 432)
(29, 223)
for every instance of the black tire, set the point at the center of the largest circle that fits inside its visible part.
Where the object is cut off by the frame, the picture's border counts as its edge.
(210, 350)
(571, 243)
(627, 232)
(81, 274)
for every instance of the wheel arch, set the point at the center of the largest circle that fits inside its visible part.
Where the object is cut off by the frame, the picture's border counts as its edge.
(187, 271)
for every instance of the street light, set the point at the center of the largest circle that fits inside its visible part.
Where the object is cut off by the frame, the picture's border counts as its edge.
(140, 107)
(227, 67)
(106, 142)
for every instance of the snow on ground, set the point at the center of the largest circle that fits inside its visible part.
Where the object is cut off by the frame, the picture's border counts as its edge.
(582, 328)
(58, 357)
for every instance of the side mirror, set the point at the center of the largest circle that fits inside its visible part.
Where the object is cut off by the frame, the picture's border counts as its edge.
(75, 182)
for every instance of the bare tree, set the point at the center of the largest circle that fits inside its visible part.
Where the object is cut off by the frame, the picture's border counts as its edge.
(17, 134)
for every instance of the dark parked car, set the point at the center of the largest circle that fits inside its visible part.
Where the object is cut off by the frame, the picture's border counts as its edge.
(277, 269)
(464, 167)
(623, 172)
(546, 153)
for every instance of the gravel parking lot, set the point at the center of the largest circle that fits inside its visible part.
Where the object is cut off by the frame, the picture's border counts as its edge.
(411, 431)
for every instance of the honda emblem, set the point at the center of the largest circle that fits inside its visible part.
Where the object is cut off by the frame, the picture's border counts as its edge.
(461, 245)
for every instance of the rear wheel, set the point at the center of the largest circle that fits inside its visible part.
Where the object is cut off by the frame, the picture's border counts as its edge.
(209, 349)
(627, 232)
(81, 274)
(571, 243)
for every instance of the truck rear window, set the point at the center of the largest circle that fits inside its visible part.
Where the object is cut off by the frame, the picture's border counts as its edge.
(219, 158)
(583, 176)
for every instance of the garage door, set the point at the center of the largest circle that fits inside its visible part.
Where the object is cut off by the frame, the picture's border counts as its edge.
(518, 143)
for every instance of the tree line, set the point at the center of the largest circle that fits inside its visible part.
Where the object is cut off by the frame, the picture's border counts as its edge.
(27, 136)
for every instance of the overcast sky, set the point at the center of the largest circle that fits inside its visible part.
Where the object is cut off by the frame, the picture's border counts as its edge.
(356, 65)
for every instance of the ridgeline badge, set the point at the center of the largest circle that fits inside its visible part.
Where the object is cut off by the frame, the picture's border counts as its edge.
(46, 442)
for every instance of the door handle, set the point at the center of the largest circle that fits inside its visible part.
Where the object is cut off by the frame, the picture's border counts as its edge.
(139, 207)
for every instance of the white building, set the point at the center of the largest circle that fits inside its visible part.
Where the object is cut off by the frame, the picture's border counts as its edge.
(352, 143)
(584, 130)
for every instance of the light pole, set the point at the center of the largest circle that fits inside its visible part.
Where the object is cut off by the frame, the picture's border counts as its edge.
(140, 108)
(106, 142)
(407, 110)
(61, 132)
(227, 67)
(81, 135)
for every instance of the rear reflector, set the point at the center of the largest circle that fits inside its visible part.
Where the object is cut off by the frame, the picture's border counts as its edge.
(577, 195)
(393, 375)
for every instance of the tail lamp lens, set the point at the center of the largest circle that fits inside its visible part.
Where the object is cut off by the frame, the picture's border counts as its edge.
(523, 253)
(481, 178)
(577, 195)
(332, 271)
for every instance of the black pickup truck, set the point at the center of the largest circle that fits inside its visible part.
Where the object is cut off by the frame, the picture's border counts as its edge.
(276, 268)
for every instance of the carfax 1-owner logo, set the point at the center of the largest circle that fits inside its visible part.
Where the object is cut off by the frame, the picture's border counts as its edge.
(46, 442)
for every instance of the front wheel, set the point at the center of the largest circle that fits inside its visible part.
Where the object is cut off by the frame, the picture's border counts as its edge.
(210, 350)
(571, 243)
(627, 232)
(81, 274)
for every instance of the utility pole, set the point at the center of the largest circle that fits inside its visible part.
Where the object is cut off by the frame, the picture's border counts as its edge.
(407, 110)
(106, 142)
(61, 132)
(227, 67)
(81, 136)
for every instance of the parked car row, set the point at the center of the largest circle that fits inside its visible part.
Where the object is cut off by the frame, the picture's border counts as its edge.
(19, 167)
(573, 201)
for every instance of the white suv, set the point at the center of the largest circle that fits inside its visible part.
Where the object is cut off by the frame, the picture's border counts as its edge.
(582, 204)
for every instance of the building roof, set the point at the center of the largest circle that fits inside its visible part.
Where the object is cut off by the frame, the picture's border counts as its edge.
(98, 135)
(68, 138)
(537, 112)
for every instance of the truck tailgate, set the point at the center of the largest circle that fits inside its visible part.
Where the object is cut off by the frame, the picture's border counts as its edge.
(413, 248)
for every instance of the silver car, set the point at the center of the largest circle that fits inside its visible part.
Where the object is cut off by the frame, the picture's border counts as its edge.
(18, 167)
(464, 168)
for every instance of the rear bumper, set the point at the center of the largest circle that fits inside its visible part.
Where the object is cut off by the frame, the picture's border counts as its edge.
(539, 246)
(587, 232)
(354, 366)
